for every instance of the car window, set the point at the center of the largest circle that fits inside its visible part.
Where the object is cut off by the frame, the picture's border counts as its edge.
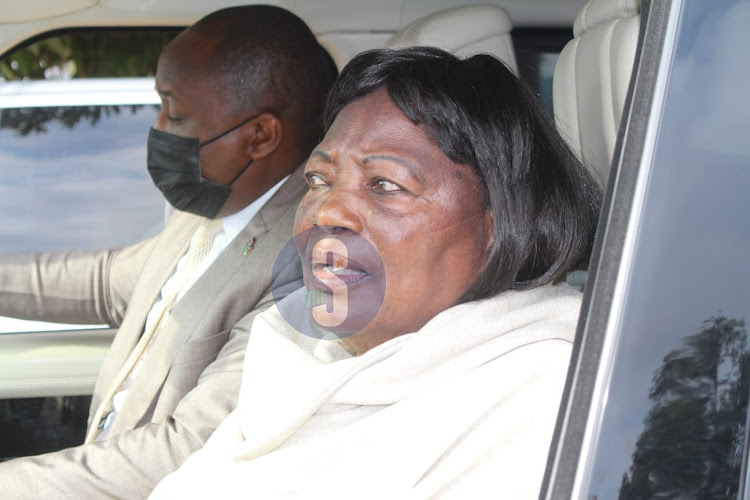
(90, 53)
(675, 421)
(74, 177)
(537, 50)
(668, 415)
(75, 110)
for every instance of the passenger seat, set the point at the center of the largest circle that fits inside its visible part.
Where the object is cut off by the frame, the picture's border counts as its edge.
(463, 31)
(591, 80)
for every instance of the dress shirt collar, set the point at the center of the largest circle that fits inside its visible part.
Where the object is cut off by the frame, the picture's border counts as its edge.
(233, 224)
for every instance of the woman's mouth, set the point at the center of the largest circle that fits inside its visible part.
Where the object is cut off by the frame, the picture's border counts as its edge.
(336, 277)
(341, 263)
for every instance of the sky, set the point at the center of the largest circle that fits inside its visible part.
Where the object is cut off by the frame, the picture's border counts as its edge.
(85, 187)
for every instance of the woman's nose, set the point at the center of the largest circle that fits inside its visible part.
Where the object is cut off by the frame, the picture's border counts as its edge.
(340, 210)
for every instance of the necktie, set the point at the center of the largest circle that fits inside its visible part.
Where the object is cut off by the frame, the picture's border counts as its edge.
(200, 247)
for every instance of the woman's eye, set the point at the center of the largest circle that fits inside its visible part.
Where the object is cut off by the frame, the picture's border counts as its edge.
(314, 180)
(386, 186)
(174, 119)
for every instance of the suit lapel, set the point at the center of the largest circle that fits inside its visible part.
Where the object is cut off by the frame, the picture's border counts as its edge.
(157, 271)
(171, 244)
(229, 288)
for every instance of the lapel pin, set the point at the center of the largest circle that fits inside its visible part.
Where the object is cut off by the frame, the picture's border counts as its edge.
(248, 246)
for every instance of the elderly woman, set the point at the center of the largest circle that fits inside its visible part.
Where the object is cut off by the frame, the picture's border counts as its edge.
(443, 214)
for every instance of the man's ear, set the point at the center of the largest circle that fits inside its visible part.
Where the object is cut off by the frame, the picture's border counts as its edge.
(265, 135)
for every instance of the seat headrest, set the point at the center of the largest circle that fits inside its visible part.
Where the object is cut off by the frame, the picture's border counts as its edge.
(463, 31)
(597, 12)
(591, 80)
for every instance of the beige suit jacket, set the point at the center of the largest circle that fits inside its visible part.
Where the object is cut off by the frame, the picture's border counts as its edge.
(189, 381)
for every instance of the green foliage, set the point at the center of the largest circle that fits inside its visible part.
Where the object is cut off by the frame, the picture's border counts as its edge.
(88, 54)
(693, 440)
(85, 54)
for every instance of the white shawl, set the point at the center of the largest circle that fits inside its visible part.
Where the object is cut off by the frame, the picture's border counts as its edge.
(463, 408)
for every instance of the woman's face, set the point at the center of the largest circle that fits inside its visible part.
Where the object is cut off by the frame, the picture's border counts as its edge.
(377, 177)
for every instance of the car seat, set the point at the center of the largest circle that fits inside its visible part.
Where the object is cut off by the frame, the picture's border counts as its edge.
(591, 80)
(464, 31)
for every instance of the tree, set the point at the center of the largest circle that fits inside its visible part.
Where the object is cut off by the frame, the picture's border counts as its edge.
(88, 54)
(693, 438)
(84, 54)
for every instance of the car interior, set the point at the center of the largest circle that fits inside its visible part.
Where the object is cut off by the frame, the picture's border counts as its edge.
(589, 89)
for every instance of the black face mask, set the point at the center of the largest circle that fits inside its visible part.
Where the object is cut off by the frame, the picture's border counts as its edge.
(174, 164)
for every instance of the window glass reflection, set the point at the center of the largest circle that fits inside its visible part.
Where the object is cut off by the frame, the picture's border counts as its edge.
(692, 441)
(75, 177)
(675, 417)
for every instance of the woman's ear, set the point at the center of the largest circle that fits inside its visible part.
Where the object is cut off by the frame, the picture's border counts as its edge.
(265, 136)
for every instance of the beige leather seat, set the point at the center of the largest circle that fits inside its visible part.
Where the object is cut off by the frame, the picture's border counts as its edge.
(464, 31)
(591, 79)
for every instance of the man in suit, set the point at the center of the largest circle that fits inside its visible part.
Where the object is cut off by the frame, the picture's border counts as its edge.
(242, 93)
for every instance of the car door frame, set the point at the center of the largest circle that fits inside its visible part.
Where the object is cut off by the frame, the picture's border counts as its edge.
(571, 454)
